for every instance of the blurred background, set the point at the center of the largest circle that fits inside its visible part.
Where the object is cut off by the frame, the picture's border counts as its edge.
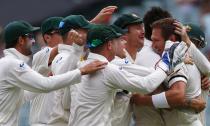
(35, 11)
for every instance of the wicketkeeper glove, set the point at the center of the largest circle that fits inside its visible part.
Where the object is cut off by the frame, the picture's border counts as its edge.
(173, 56)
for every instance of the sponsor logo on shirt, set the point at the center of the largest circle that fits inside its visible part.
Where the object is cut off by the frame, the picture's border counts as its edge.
(59, 60)
(22, 66)
(47, 50)
(126, 61)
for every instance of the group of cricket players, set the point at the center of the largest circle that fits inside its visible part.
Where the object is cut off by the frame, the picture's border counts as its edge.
(137, 71)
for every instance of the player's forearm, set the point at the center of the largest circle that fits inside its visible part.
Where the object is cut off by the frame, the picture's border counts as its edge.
(172, 99)
(200, 60)
(175, 98)
(140, 100)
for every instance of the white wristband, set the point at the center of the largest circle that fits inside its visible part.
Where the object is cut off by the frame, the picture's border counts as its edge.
(160, 101)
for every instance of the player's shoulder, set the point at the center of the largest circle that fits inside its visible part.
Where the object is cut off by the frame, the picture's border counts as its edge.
(13, 63)
(43, 51)
(113, 68)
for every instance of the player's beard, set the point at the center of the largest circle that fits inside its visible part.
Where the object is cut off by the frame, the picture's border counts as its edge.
(29, 46)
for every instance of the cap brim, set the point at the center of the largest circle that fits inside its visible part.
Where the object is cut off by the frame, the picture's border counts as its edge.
(88, 26)
(118, 29)
(118, 35)
(35, 29)
(138, 21)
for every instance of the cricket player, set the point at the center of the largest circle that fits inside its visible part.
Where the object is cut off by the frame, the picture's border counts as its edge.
(42, 59)
(66, 60)
(93, 101)
(135, 34)
(197, 36)
(17, 76)
(146, 115)
(58, 115)
(132, 26)
(42, 63)
(184, 86)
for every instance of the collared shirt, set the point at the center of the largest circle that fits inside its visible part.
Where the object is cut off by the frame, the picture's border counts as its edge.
(146, 56)
(95, 93)
(40, 61)
(121, 110)
(15, 76)
(128, 57)
(59, 101)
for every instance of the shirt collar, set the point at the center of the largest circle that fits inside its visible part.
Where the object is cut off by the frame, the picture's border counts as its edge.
(97, 57)
(62, 48)
(147, 42)
(12, 52)
(128, 57)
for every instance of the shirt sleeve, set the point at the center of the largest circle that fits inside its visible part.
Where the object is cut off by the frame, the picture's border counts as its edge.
(118, 78)
(132, 68)
(65, 62)
(137, 70)
(21, 75)
(200, 60)
(181, 75)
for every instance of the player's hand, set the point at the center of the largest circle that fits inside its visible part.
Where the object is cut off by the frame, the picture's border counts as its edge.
(93, 67)
(74, 37)
(198, 104)
(188, 60)
(104, 15)
(182, 31)
(205, 83)
(136, 99)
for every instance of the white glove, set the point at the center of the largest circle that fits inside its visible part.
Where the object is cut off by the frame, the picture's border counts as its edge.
(172, 56)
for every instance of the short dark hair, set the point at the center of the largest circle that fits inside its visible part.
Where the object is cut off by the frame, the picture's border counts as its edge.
(167, 28)
(65, 36)
(97, 49)
(11, 44)
(154, 14)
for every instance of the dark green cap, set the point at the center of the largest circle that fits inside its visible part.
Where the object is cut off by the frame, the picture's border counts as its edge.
(15, 29)
(100, 34)
(197, 34)
(118, 29)
(127, 19)
(74, 22)
(50, 24)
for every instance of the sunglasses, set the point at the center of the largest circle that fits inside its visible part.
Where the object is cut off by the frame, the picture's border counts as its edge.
(29, 35)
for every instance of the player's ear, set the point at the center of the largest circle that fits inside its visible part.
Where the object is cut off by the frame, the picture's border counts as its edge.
(109, 45)
(21, 40)
(47, 37)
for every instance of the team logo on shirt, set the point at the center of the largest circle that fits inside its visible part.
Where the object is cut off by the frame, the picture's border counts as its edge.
(126, 61)
(22, 66)
(59, 60)
(47, 50)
